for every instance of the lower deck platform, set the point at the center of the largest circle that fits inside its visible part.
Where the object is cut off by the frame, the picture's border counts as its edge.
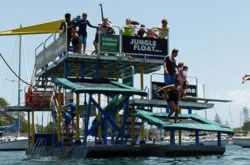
(147, 150)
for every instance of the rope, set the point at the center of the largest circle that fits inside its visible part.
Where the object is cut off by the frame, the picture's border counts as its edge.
(14, 71)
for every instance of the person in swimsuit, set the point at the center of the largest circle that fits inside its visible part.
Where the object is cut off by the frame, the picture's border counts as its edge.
(174, 95)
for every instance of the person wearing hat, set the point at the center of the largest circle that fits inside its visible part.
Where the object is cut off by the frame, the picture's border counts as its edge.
(170, 67)
(128, 30)
(82, 32)
(106, 27)
(134, 24)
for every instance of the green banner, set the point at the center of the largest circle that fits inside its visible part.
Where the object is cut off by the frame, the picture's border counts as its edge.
(109, 43)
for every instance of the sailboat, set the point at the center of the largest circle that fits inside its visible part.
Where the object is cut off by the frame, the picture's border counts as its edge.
(13, 143)
(241, 140)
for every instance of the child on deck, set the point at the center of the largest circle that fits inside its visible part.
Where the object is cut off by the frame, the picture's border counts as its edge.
(174, 94)
(185, 82)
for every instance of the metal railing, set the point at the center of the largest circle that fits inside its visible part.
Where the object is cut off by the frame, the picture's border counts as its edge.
(162, 75)
(39, 147)
(55, 46)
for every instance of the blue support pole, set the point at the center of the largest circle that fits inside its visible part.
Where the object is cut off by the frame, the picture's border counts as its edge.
(167, 109)
(104, 132)
(125, 115)
(82, 70)
(189, 110)
(66, 69)
(87, 121)
(197, 138)
(172, 134)
(219, 138)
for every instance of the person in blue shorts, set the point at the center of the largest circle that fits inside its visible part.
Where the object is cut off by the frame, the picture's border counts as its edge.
(170, 67)
(67, 121)
(82, 32)
(72, 107)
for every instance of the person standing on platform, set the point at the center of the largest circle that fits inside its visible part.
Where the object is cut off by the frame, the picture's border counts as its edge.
(67, 121)
(170, 68)
(82, 32)
(72, 107)
(67, 26)
(174, 95)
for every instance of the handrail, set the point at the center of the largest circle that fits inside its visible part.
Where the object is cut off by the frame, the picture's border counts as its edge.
(151, 78)
(39, 147)
(44, 42)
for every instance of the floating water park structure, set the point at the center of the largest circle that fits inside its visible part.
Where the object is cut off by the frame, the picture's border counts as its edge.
(110, 74)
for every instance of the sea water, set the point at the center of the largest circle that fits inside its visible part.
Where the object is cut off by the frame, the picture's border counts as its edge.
(234, 155)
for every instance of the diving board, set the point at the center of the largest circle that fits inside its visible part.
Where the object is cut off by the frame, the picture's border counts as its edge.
(205, 99)
(199, 123)
(163, 103)
(95, 86)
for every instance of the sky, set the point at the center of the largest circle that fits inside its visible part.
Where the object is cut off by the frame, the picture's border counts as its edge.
(212, 36)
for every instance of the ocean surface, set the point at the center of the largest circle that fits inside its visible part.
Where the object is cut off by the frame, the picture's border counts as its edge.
(234, 155)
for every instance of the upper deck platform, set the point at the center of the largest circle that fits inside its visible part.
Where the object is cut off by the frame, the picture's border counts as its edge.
(111, 66)
(117, 55)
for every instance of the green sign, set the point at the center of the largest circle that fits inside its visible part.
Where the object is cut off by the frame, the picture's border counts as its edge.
(109, 43)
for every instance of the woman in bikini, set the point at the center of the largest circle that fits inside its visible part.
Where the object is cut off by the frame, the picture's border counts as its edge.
(174, 92)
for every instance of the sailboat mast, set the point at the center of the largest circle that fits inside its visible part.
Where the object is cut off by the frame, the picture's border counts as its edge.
(19, 81)
(19, 70)
(204, 95)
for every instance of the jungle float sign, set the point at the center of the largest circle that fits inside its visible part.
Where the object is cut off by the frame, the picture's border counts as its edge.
(150, 46)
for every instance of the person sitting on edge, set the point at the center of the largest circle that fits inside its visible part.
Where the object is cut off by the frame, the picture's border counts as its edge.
(162, 29)
(170, 68)
(68, 23)
(134, 24)
(82, 32)
(245, 78)
(141, 31)
(67, 121)
(72, 107)
(106, 27)
(151, 33)
(174, 95)
(128, 30)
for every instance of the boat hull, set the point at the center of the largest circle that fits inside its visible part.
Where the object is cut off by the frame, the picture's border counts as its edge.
(242, 141)
(16, 145)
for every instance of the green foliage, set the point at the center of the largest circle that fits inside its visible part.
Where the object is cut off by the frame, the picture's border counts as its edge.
(3, 102)
(246, 126)
(49, 128)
